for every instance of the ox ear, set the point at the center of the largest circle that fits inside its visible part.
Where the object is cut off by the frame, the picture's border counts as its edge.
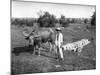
(51, 30)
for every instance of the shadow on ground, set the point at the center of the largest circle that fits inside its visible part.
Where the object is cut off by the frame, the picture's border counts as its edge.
(18, 50)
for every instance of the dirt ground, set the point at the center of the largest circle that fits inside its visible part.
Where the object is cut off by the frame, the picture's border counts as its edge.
(26, 62)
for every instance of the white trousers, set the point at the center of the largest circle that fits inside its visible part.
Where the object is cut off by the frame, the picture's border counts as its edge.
(60, 50)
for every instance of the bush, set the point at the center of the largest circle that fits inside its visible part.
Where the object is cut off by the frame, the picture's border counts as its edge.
(93, 20)
(47, 20)
(23, 21)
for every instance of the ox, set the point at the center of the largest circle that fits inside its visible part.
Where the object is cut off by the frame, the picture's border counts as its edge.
(42, 36)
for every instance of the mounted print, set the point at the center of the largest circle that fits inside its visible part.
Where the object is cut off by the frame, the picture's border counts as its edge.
(52, 37)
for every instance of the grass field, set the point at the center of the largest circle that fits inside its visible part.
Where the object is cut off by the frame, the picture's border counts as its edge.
(28, 63)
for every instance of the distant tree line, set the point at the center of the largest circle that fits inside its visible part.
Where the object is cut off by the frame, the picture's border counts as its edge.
(49, 20)
(23, 21)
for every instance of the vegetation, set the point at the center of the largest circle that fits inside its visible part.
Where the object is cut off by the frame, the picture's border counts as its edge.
(46, 19)
(23, 21)
(63, 21)
(93, 20)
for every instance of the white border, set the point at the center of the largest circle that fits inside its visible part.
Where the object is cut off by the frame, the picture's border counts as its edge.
(5, 36)
(85, 2)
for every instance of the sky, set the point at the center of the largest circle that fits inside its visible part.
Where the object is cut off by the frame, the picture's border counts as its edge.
(22, 9)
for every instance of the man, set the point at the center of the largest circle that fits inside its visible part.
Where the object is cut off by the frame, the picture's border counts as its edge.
(59, 42)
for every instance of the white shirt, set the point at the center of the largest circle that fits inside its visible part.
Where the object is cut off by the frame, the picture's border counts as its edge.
(59, 39)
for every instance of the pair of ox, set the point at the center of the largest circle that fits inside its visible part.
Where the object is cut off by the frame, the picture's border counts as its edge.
(39, 37)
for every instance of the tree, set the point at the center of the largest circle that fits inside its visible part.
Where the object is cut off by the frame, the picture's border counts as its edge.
(85, 21)
(63, 21)
(93, 19)
(46, 20)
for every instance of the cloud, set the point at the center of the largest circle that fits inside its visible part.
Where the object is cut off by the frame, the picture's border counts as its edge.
(30, 9)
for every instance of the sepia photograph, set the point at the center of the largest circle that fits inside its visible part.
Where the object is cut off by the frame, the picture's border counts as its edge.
(52, 37)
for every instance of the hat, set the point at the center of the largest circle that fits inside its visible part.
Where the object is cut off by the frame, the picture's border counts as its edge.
(58, 29)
